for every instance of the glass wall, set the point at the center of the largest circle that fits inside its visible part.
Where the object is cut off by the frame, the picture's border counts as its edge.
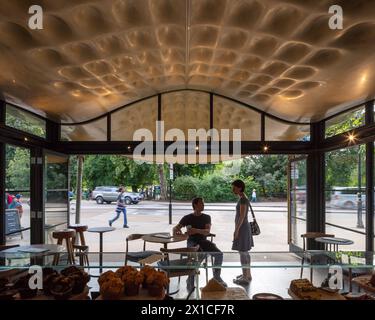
(345, 186)
(25, 121)
(297, 201)
(17, 184)
(232, 115)
(185, 110)
(345, 122)
(93, 131)
(281, 131)
(56, 207)
(140, 115)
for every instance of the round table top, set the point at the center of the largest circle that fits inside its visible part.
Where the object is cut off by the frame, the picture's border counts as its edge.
(101, 229)
(156, 239)
(332, 240)
(31, 251)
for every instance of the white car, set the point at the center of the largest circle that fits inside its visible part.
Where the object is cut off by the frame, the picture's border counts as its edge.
(110, 194)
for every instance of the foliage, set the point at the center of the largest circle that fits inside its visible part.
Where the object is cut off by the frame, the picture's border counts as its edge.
(104, 170)
(185, 188)
(346, 122)
(342, 167)
(25, 125)
(18, 168)
(269, 172)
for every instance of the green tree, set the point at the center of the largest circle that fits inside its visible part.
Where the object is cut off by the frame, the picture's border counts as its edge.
(18, 168)
(269, 172)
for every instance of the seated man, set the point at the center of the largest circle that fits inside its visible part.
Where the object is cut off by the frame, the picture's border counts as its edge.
(198, 226)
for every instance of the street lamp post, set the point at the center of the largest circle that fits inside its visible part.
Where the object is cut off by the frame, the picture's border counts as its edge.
(359, 205)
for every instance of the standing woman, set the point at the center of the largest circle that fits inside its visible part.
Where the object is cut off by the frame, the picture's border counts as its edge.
(242, 237)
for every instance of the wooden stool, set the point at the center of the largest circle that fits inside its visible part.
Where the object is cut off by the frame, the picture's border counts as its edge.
(68, 235)
(79, 229)
(79, 243)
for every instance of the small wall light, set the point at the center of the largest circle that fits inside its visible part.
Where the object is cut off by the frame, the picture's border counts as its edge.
(265, 148)
(351, 137)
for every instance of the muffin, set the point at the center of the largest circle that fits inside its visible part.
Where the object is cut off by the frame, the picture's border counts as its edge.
(22, 285)
(112, 289)
(70, 271)
(132, 281)
(48, 281)
(62, 287)
(109, 275)
(372, 280)
(79, 282)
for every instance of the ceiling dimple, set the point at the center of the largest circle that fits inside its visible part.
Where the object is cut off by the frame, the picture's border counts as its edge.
(99, 68)
(279, 21)
(131, 13)
(357, 37)
(316, 30)
(204, 36)
(74, 73)
(300, 72)
(207, 11)
(80, 51)
(171, 36)
(109, 45)
(233, 39)
(283, 83)
(94, 56)
(15, 36)
(245, 14)
(48, 57)
(292, 52)
(263, 46)
(55, 31)
(89, 20)
(324, 58)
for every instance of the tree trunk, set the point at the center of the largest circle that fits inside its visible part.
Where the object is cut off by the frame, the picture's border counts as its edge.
(79, 189)
(163, 190)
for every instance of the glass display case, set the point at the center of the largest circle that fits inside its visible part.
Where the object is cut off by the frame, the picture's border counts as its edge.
(331, 274)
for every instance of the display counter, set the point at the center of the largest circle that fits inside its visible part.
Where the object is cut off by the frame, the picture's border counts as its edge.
(273, 275)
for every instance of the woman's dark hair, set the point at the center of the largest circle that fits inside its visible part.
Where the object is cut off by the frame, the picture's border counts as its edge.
(239, 184)
(195, 201)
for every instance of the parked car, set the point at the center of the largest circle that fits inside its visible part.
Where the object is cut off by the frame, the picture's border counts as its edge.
(347, 198)
(110, 194)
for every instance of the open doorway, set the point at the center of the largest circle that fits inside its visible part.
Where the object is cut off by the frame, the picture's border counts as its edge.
(148, 185)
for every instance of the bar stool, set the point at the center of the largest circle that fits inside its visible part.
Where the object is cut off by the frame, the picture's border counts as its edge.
(68, 235)
(79, 243)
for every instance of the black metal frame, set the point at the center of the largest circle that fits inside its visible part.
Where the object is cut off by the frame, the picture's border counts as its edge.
(314, 149)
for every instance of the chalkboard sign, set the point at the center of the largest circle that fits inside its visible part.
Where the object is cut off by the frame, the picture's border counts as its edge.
(12, 222)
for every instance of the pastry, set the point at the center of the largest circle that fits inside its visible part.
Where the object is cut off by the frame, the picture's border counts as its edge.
(3, 284)
(213, 285)
(121, 272)
(62, 287)
(71, 270)
(79, 282)
(109, 275)
(47, 282)
(372, 280)
(8, 294)
(22, 285)
(112, 289)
